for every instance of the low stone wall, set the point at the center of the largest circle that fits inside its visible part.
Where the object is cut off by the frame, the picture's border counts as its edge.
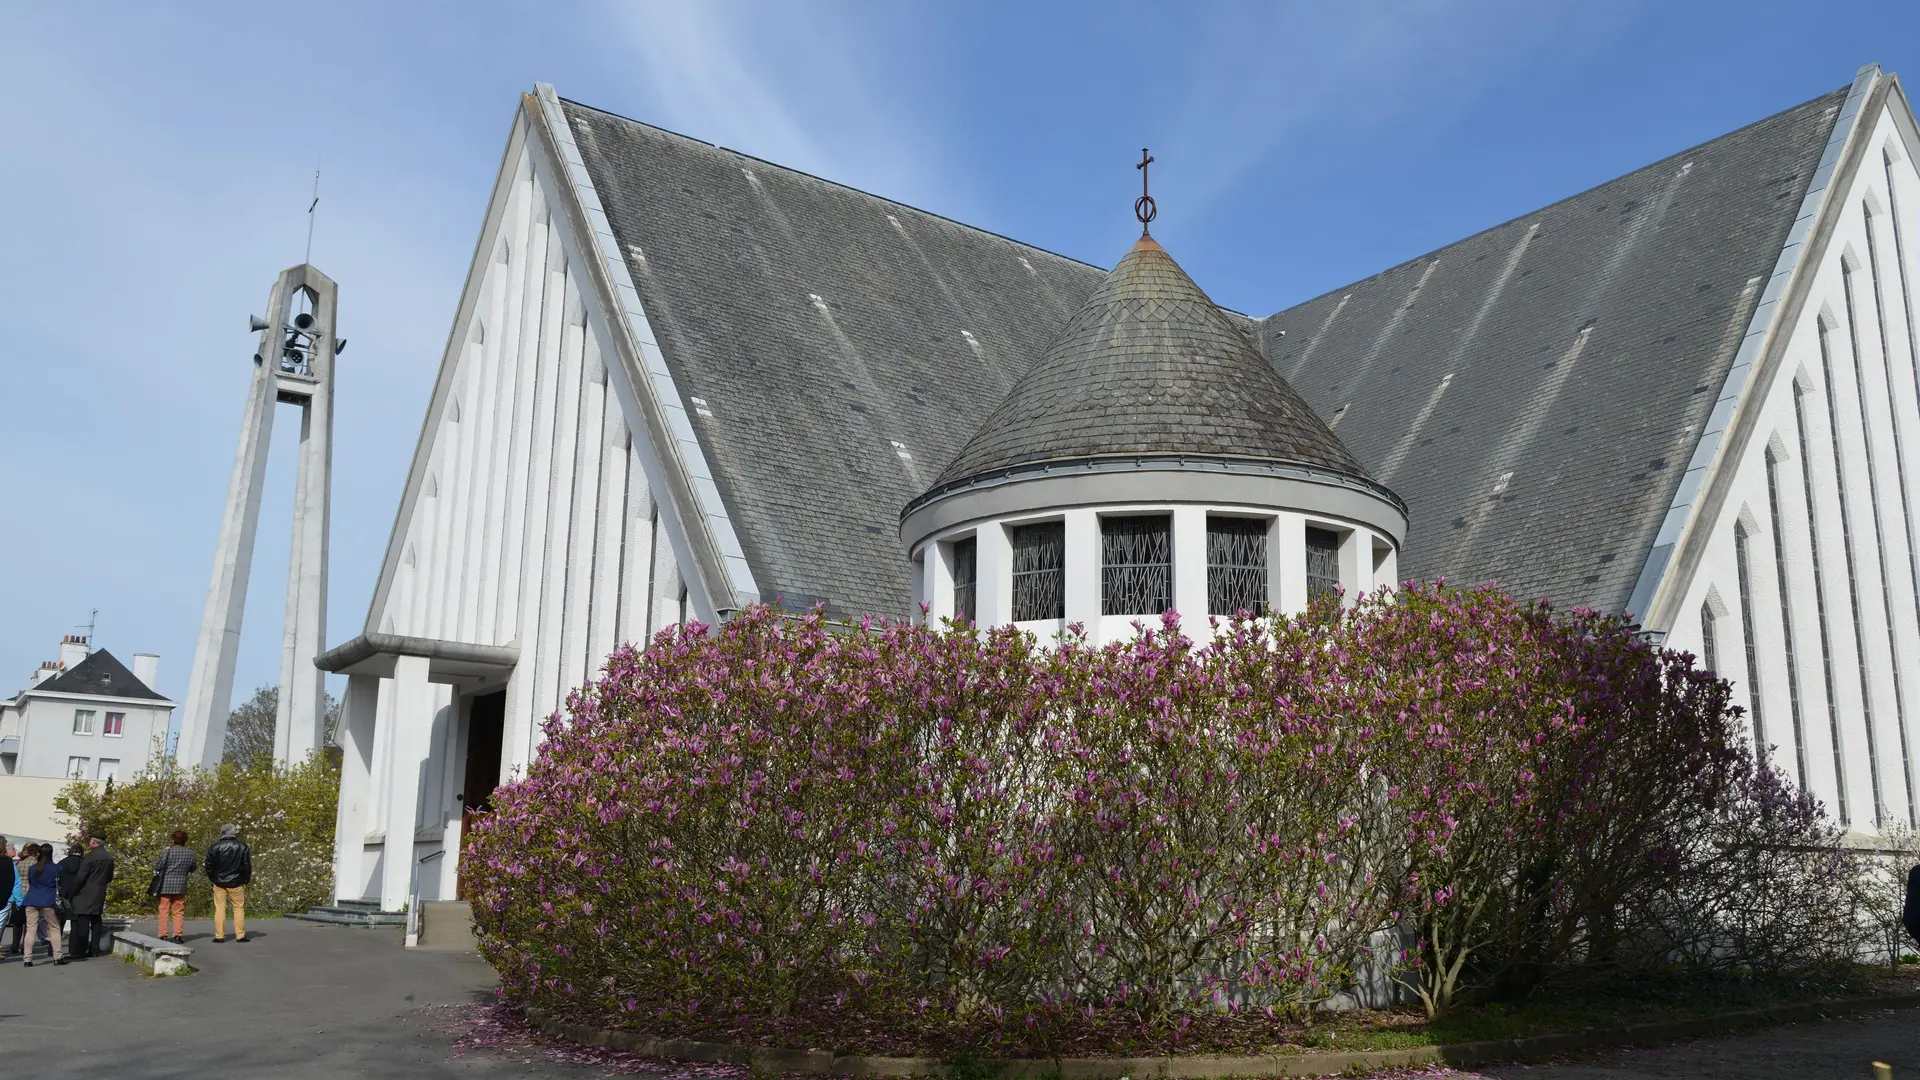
(1210, 1066)
(155, 954)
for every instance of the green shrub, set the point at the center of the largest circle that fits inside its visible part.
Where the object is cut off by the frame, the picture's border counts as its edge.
(285, 815)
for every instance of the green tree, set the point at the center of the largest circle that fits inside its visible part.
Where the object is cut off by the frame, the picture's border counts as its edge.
(285, 814)
(249, 742)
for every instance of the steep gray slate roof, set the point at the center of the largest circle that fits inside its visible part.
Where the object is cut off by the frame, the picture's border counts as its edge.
(846, 346)
(1151, 366)
(102, 675)
(1534, 392)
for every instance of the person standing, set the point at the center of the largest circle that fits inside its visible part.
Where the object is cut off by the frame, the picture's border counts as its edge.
(69, 877)
(17, 861)
(230, 867)
(90, 897)
(43, 887)
(171, 871)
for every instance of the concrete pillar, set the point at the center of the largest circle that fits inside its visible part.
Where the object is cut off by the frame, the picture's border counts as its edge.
(936, 579)
(1287, 564)
(995, 570)
(210, 682)
(1190, 569)
(299, 729)
(357, 714)
(1082, 566)
(411, 740)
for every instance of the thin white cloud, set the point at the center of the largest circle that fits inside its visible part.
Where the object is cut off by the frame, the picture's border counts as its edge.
(1270, 78)
(801, 85)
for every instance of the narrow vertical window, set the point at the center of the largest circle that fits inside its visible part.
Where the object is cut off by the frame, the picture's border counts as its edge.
(1900, 260)
(1236, 565)
(1136, 565)
(1786, 619)
(1709, 639)
(966, 579)
(1039, 571)
(1753, 653)
(1323, 562)
(1820, 606)
(1879, 543)
(1853, 579)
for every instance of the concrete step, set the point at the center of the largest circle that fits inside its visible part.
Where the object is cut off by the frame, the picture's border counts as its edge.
(353, 915)
(446, 925)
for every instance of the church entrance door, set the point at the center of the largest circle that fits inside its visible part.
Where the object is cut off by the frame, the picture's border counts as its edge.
(486, 726)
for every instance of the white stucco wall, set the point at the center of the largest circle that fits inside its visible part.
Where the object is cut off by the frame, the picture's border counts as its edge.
(1883, 531)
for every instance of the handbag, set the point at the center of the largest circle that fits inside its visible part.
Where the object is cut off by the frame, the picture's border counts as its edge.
(153, 887)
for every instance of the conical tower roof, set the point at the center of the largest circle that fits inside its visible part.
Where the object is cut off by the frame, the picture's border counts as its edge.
(1150, 366)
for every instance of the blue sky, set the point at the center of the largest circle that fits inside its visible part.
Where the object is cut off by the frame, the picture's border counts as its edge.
(162, 156)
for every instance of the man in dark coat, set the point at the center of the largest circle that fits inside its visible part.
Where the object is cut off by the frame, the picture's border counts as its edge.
(230, 867)
(90, 897)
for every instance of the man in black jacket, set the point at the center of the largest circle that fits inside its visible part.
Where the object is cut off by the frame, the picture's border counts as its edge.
(90, 897)
(230, 866)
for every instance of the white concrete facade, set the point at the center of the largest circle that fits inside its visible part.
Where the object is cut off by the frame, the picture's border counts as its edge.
(1814, 486)
(541, 521)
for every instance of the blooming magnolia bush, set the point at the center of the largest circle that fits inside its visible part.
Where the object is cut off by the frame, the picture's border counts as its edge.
(895, 836)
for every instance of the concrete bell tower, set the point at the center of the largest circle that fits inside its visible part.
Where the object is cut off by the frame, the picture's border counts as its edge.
(294, 365)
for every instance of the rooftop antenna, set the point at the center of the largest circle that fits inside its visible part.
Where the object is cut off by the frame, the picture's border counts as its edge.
(310, 207)
(93, 621)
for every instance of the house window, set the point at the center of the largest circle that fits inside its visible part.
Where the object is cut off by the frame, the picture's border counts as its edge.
(1236, 565)
(1323, 562)
(1039, 571)
(83, 721)
(109, 769)
(1136, 565)
(1709, 641)
(1746, 628)
(966, 579)
(115, 725)
(76, 768)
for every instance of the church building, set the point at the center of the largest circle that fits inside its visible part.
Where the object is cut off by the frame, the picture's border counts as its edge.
(682, 381)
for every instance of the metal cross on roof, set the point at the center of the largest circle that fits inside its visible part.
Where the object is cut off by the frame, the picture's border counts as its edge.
(1143, 207)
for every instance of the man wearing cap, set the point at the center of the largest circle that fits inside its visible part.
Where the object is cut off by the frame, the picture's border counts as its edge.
(230, 867)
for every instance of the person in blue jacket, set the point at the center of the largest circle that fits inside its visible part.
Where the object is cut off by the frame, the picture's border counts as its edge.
(43, 886)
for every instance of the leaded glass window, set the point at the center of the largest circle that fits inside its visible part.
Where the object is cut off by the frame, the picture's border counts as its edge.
(1236, 565)
(1039, 571)
(1786, 617)
(1709, 640)
(1746, 628)
(966, 579)
(1323, 562)
(1136, 565)
(1820, 603)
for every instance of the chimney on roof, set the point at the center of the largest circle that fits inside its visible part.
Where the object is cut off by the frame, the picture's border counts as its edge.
(73, 649)
(146, 668)
(48, 669)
